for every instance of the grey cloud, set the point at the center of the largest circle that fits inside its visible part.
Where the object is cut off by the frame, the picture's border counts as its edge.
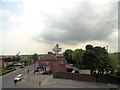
(79, 24)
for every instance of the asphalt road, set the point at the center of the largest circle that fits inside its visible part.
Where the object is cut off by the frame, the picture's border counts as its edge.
(8, 81)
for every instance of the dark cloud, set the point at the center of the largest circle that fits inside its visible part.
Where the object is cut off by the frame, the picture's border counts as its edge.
(80, 23)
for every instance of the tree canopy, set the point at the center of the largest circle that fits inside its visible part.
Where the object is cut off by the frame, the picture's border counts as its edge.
(35, 57)
(77, 56)
(74, 57)
(68, 55)
(97, 59)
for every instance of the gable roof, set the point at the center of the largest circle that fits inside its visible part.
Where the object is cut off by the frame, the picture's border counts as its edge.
(61, 58)
(48, 57)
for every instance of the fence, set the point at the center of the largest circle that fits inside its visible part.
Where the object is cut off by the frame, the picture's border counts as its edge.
(87, 77)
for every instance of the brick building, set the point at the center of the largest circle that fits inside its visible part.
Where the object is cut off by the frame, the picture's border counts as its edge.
(53, 63)
(2, 62)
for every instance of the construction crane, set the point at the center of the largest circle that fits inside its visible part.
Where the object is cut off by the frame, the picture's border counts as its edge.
(18, 53)
(17, 56)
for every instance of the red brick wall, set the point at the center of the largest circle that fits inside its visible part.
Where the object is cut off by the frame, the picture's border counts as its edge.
(42, 63)
(57, 67)
(54, 65)
(2, 64)
(81, 77)
(87, 77)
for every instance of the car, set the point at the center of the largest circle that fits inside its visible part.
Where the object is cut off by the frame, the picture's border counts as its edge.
(42, 72)
(18, 77)
(45, 72)
(75, 71)
(36, 70)
(22, 66)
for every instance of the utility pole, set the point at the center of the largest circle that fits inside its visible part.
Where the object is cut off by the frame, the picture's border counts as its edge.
(107, 48)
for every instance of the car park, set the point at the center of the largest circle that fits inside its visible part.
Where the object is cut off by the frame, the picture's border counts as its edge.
(18, 77)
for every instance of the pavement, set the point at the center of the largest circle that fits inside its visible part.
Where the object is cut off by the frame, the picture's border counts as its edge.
(37, 78)
(49, 80)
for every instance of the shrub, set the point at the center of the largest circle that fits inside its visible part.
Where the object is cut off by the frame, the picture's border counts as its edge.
(5, 71)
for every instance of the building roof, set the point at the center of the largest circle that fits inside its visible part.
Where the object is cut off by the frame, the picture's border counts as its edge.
(61, 58)
(48, 57)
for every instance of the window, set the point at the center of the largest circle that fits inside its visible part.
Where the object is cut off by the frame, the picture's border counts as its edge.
(61, 62)
(46, 62)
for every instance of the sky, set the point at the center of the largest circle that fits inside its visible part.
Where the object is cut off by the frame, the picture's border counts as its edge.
(36, 26)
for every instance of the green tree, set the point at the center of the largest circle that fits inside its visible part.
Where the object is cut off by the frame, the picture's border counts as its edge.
(68, 55)
(97, 59)
(102, 60)
(9, 59)
(27, 61)
(89, 47)
(14, 58)
(17, 58)
(35, 57)
(115, 62)
(89, 58)
(77, 56)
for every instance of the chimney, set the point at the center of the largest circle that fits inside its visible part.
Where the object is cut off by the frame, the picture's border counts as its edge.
(50, 53)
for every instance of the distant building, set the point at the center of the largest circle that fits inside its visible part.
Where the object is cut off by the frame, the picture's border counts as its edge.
(2, 62)
(53, 63)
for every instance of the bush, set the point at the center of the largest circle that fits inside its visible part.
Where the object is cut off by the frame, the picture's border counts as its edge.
(114, 59)
(10, 69)
(116, 74)
(27, 61)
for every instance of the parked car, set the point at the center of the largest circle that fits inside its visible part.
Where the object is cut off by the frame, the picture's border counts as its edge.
(75, 71)
(17, 64)
(45, 72)
(22, 66)
(18, 77)
(36, 70)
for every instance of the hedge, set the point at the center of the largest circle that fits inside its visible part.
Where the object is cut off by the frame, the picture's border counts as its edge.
(7, 71)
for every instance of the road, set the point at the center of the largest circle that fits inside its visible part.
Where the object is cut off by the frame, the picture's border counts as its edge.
(47, 81)
(8, 79)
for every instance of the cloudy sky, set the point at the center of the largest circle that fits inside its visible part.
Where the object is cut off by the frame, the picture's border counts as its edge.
(32, 26)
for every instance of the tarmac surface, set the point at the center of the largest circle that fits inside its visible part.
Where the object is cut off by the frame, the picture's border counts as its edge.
(45, 80)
